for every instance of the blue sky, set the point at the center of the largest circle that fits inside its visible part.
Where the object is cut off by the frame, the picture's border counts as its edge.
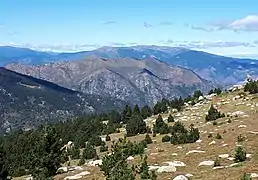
(228, 27)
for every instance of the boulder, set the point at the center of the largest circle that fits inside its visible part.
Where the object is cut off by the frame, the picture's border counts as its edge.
(84, 173)
(29, 178)
(223, 156)
(72, 177)
(218, 167)
(180, 177)
(238, 113)
(95, 163)
(248, 156)
(212, 142)
(253, 175)
(188, 175)
(195, 151)
(62, 170)
(201, 98)
(130, 158)
(231, 158)
(242, 126)
(162, 169)
(175, 163)
(206, 163)
(77, 176)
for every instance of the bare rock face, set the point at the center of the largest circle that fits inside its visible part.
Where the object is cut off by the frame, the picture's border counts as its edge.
(131, 80)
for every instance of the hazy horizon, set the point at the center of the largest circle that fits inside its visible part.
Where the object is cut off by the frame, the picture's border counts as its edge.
(222, 27)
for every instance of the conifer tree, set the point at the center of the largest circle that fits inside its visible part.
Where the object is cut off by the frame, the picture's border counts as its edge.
(136, 125)
(47, 154)
(3, 165)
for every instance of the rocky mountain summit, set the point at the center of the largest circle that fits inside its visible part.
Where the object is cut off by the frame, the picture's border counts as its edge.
(26, 102)
(225, 70)
(131, 80)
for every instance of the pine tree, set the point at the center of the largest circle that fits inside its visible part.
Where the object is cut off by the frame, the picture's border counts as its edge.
(144, 169)
(114, 117)
(213, 114)
(126, 114)
(115, 166)
(170, 118)
(74, 152)
(211, 92)
(251, 86)
(197, 94)
(136, 110)
(95, 140)
(89, 152)
(3, 165)
(157, 108)
(146, 112)
(47, 154)
(136, 125)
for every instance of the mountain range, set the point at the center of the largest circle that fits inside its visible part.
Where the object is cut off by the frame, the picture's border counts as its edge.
(26, 102)
(211, 67)
(128, 79)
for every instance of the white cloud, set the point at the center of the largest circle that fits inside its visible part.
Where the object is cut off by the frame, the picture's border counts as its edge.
(109, 22)
(208, 44)
(248, 23)
(55, 47)
(147, 25)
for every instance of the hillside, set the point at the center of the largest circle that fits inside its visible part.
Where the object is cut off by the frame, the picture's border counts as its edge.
(186, 158)
(26, 102)
(226, 147)
(212, 67)
(128, 79)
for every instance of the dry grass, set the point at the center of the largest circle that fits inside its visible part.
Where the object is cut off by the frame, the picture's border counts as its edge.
(229, 132)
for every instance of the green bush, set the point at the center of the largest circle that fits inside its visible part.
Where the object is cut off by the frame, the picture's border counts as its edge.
(95, 140)
(216, 162)
(251, 86)
(240, 154)
(148, 139)
(166, 138)
(246, 177)
(103, 148)
(108, 138)
(213, 114)
(89, 152)
(81, 162)
(240, 138)
(218, 136)
(74, 152)
(170, 118)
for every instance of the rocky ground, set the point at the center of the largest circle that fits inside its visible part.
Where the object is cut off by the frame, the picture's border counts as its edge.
(195, 161)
